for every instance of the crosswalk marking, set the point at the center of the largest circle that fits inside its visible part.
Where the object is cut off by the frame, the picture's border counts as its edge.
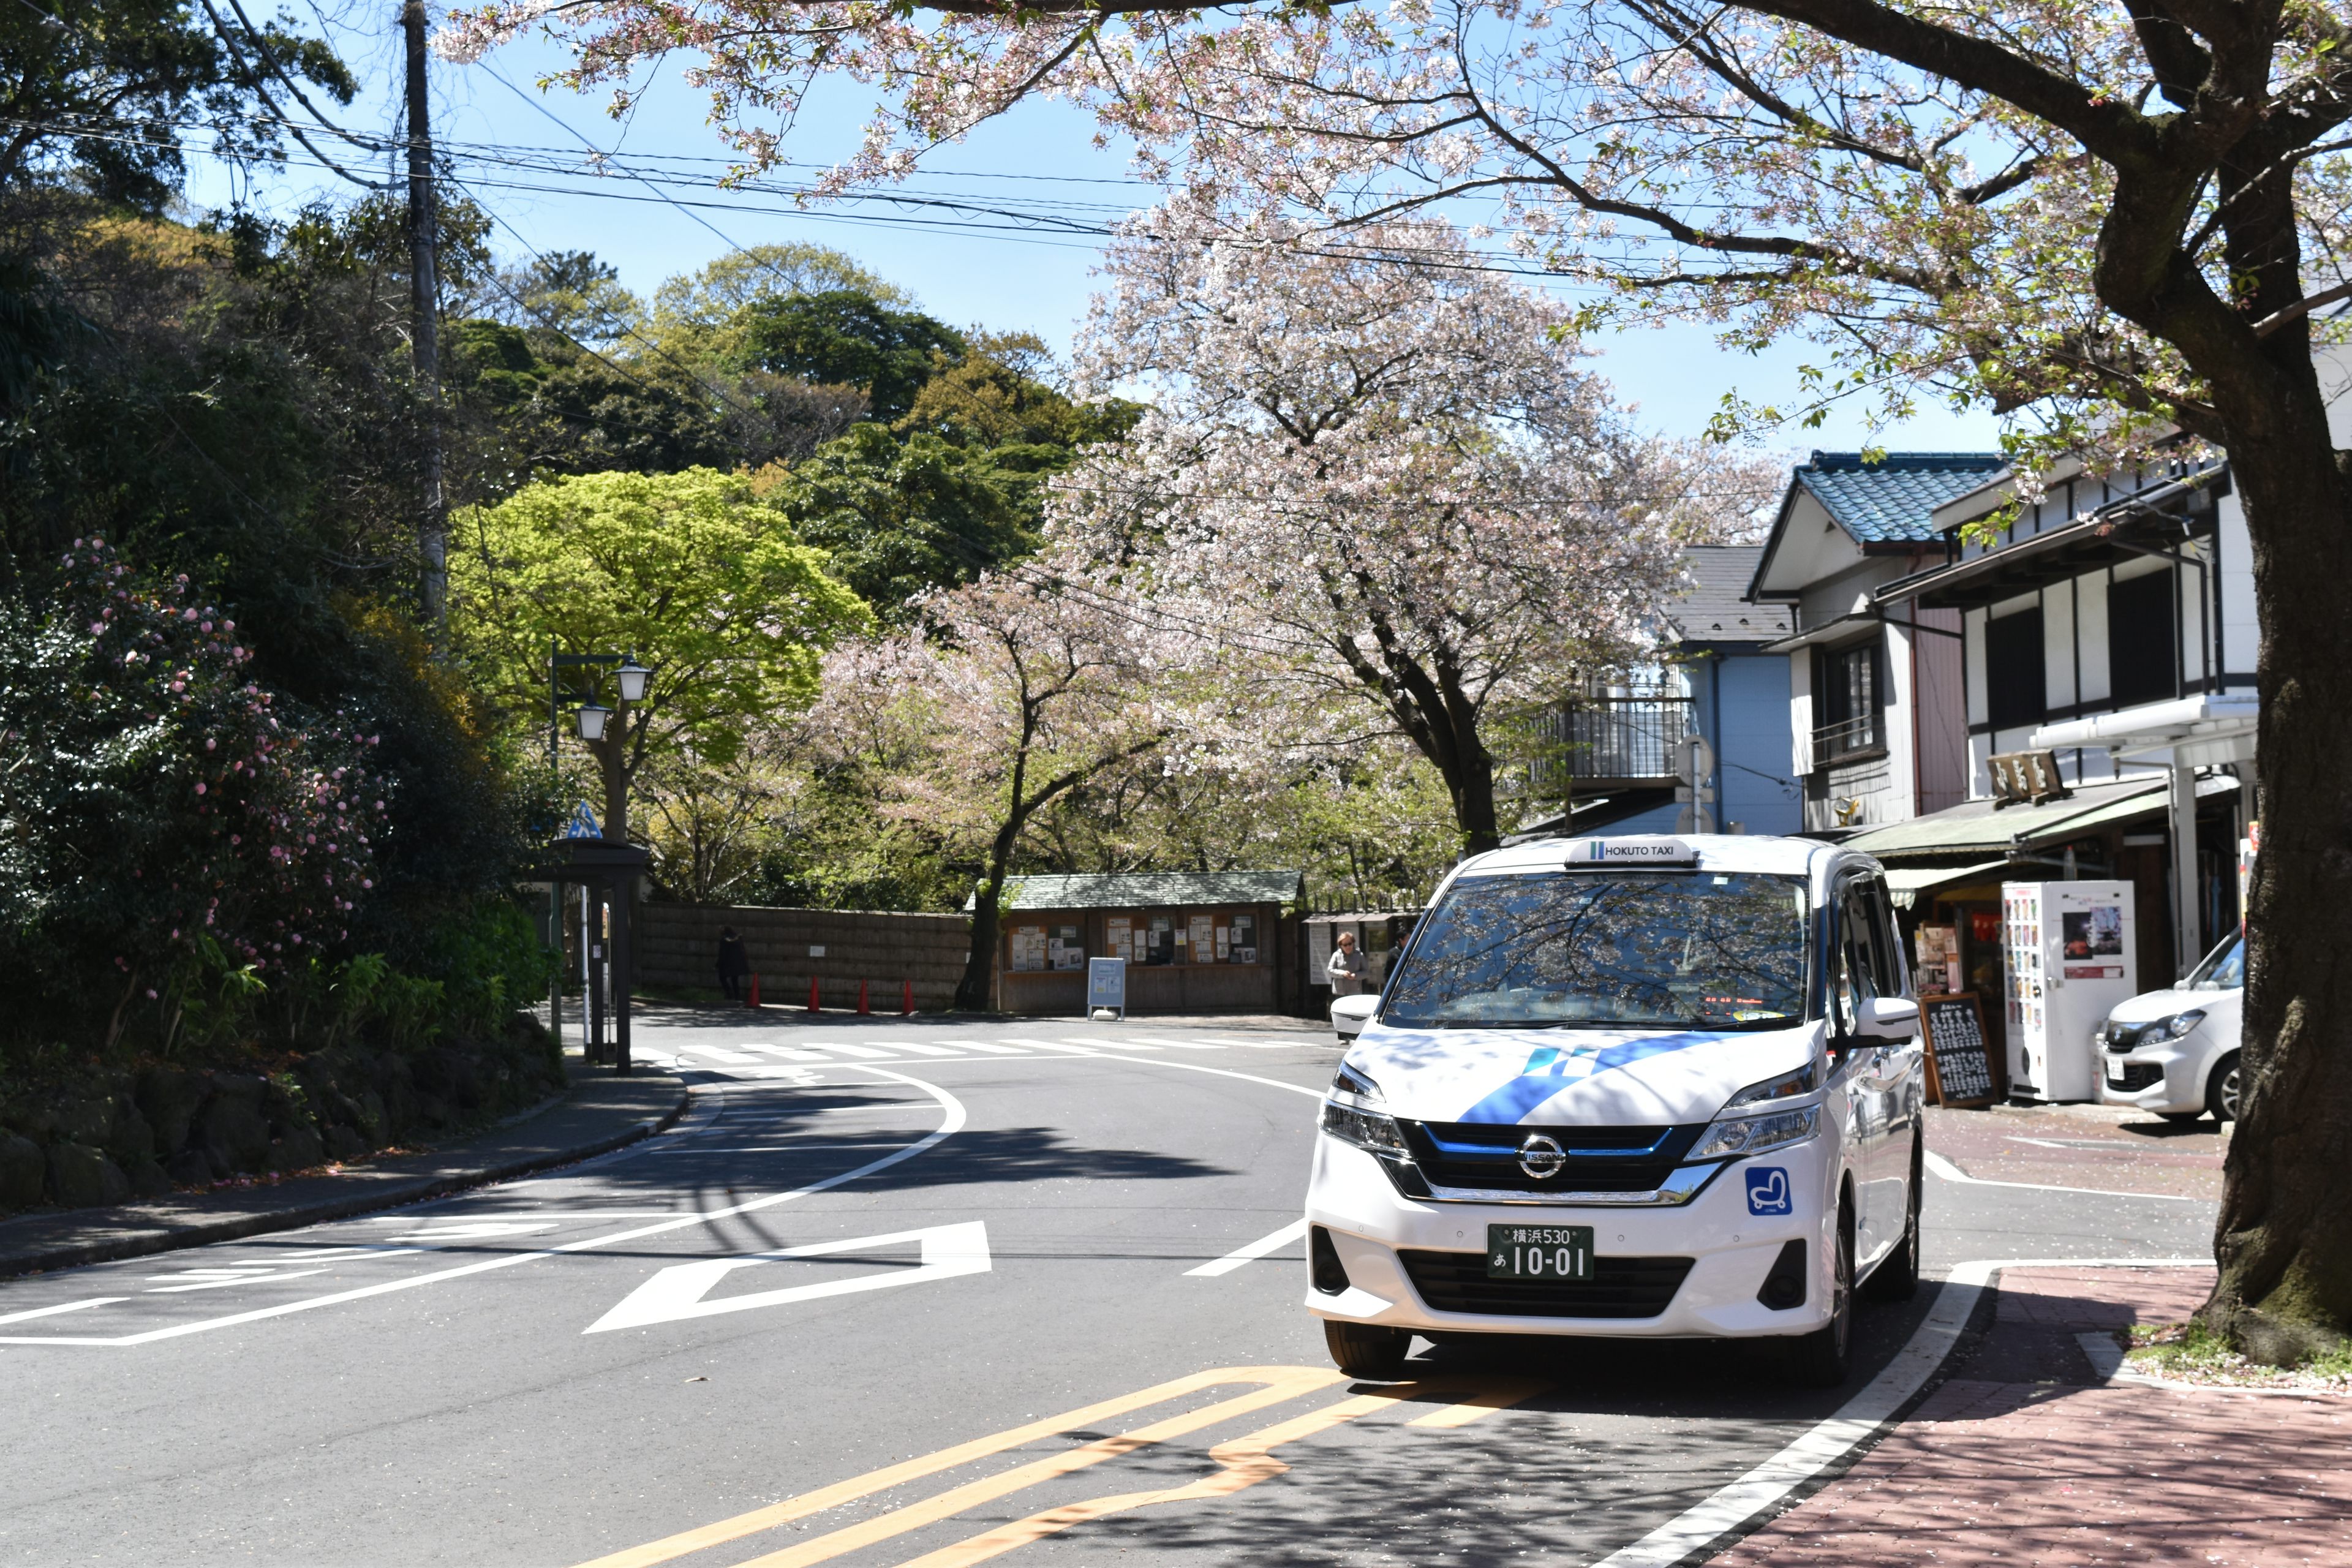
(992, 1048)
(864, 1053)
(1184, 1045)
(1114, 1044)
(721, 1055)
(793, 1053)
(924, 1050)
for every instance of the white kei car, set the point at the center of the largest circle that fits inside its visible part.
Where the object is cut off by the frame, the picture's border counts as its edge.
(1640, 1087)
(2175, 1051)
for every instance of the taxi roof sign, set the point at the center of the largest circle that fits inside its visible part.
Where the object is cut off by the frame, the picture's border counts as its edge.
(1646, 851)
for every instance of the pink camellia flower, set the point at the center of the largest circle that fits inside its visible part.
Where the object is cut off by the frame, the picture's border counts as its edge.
(205, 626)
(200, 787)
(366, 882)
(236, 838)
(96, 627)
(187, 615)
(210, 742)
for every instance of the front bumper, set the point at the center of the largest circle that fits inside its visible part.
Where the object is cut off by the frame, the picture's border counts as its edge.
(2170, 1077)
(1730, 1250)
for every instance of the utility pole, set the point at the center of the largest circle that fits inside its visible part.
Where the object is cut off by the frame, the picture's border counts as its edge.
(424, 336)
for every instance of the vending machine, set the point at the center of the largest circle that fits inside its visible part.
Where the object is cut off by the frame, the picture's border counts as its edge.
(2069, 949)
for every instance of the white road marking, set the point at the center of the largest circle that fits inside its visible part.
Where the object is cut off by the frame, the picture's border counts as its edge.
(923, 1050)
(1114, 1044)
(1254, 1250)
(1952, 1173)
(239, 1279)
(992, 1048)
(953, 1122)
(1733, 1506)
(68, 1307)
(1182, 1045)
(779, 1148)
(864, 1053)
(677, 1291)
(719, 1054)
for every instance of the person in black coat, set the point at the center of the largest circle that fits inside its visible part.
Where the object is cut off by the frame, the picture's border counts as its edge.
(733, 964)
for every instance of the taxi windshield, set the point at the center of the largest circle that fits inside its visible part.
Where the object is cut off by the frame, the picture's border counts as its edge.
(1658, 949)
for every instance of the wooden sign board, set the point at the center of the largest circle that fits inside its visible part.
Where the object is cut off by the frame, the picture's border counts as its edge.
(1959, 1064)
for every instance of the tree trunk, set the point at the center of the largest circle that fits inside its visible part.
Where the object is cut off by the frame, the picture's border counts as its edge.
(2284, 1240)
(1470, 782)
(980, 964)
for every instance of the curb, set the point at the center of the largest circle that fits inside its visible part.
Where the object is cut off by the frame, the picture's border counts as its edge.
(417, 1188)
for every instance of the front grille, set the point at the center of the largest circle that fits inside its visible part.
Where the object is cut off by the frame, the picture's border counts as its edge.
(2134, 1076)
(1485, 1156)
(1619, 1287)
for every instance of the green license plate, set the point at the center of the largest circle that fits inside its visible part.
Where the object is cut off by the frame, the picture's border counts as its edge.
(1538, 1252)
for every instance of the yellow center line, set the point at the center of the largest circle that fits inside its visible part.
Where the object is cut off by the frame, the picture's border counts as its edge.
(1281, 1383)
(1243, 1463)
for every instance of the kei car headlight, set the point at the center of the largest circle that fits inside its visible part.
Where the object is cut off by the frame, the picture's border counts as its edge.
(1736, 1136)
(2180, 1026)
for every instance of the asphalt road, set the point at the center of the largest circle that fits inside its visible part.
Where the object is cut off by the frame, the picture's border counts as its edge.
(1000, 1326)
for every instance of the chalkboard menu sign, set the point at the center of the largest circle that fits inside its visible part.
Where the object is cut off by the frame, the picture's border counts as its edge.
(1960, 1067)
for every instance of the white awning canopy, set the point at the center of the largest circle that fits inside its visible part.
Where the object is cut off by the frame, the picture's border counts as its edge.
(1906, 883)
(2188, 731)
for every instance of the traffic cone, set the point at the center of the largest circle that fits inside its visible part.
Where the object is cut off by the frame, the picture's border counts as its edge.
(907, 1007)
(812, 1007)
(754, 999)
(862, 1009)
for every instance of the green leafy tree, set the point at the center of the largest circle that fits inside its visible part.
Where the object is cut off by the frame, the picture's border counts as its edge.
(849, 337)
(696, 312)
(691, 573)
(75, 77)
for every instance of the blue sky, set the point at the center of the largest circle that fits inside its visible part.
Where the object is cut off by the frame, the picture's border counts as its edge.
(1040, 157)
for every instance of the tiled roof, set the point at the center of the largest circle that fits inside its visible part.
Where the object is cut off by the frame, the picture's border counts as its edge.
(1715, 610)
(1150, 890)
(1892, 500)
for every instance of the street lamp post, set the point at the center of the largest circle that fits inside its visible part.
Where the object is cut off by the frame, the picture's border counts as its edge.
(607, 733)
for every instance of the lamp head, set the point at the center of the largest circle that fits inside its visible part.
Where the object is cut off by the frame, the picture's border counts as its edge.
(634, 677)
(592, 721)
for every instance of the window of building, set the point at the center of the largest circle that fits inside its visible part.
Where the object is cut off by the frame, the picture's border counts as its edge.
(2014, 686)
(1850, 701)
(2141, 639)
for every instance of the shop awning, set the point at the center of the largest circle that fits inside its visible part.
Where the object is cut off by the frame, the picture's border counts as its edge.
(1979, 830)
(1907, 882)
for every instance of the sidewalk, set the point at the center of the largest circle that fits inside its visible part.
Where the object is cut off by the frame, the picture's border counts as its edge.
(600, 1113)
(2028, 1457)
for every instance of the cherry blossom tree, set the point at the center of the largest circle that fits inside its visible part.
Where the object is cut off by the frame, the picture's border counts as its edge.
(1386, 493)
(2116, 217)
(1009, 695)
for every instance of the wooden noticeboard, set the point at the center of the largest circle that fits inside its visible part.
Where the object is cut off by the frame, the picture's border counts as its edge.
(1960, 1063)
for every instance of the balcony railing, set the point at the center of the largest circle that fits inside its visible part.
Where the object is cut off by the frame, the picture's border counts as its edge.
(1861, 734)
(1564, 746)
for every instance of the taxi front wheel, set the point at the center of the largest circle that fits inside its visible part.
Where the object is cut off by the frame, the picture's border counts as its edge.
(1361, 1350)
(1821, 1358)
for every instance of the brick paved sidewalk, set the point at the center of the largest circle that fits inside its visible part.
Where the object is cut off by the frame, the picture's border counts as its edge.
(2024, 1458)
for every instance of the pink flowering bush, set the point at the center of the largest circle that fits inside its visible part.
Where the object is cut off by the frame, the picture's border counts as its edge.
(165, 820)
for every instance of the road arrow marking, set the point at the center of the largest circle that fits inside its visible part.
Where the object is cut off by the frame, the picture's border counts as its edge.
(679, 1290)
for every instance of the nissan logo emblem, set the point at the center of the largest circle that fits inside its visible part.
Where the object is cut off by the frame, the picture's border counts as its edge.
(1540, 1157)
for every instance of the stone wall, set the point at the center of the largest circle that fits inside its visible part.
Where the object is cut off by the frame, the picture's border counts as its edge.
(677, 948)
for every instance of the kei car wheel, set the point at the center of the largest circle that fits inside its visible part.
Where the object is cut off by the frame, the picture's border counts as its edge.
(1823, 1357)
(1360, 1350)
(1897, 1279)
(2221, 1089)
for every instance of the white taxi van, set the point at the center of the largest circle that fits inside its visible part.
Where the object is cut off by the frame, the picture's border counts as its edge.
(1652, 1086)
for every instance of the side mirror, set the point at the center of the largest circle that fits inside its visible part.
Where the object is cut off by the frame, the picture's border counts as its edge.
(1350, 1013)
(1888, 1019)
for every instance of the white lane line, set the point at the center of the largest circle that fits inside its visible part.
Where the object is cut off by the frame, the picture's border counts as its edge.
(1216, 1072)
(780, 1148)
(864, 1053)
(1696, 1528)
(1182, 1045)
(1254, 1250)
(923, 1050)
(1952, 1173)
(993, 1050)
(954, 1118)
(720, 1053)
(68, 1307)
(216, 1284)
(1114, 1044)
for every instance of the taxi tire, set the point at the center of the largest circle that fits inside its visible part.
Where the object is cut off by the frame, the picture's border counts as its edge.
(1362, 1350)
(1822, 1358)
(1897, 1279)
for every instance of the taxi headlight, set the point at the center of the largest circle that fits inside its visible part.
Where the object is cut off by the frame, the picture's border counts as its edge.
(1365, 1128)
(1787, 1086)
(1754, 1134)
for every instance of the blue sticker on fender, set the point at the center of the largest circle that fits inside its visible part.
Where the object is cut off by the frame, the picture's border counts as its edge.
(1768, 1189)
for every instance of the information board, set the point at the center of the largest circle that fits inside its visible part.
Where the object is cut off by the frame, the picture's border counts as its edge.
(1960, 1067)
(1107, 984)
